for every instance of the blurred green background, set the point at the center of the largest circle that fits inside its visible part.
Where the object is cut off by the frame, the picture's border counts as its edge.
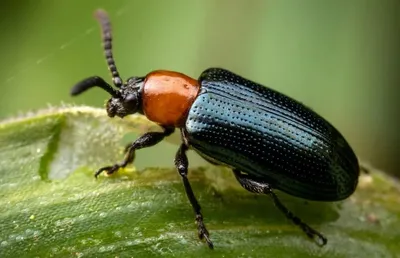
(341, 58)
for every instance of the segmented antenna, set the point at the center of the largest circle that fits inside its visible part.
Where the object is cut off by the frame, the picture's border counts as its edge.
(105, 24)
(91, 82)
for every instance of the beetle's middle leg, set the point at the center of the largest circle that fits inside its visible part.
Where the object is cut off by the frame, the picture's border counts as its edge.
(182, 164)
(257, 186)
(146, 140)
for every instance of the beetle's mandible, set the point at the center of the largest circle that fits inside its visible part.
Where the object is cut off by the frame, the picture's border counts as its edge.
(269, 140)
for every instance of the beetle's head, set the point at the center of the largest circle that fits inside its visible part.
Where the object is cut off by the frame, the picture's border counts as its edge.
(124, 101)
(127, 98)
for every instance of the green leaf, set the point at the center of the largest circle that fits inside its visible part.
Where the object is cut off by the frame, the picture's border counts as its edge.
(51, 205)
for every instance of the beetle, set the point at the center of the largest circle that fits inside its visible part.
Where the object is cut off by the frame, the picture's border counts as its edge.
(269, 140)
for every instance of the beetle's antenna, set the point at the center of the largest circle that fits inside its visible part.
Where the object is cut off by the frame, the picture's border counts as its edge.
(105, 24)
(91, 82)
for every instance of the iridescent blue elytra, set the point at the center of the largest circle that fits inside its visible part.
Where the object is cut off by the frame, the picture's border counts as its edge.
(254, 129)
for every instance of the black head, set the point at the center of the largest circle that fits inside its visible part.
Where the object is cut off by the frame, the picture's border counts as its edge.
(127, 98)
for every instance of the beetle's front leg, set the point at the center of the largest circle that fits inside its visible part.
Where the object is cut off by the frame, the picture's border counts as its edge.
(182, 164)
(146, 140)
(257, 186)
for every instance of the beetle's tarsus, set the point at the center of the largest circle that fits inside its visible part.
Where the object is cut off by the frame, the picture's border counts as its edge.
(203, 232)
(313, 234)
(322, 240)
(101, 170)
(109, 170)
(257, 186)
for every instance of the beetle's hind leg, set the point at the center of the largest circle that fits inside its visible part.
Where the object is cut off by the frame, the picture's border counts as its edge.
(258, 186)
(182, 164)
(146, 140)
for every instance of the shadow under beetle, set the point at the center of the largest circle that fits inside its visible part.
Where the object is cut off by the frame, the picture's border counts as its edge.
(268, 139)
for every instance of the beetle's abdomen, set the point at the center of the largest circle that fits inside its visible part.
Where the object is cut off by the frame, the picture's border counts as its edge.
(268, 135)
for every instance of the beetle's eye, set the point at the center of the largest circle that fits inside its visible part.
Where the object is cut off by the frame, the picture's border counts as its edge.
(130, 98)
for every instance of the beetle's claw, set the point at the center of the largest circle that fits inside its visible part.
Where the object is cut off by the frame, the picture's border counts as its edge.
(109, 170)
(317, 237)
(209, 242)
(321, 240)
(203, 232)
(101, 171)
